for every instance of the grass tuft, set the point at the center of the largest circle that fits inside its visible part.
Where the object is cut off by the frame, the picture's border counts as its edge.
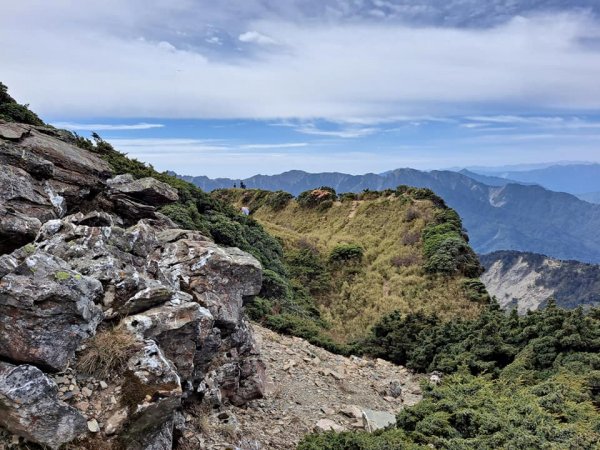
(107, 353)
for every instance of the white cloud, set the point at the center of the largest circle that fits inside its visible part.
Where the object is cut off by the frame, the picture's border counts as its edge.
(319, 69)
(557, 122)
(345, 133)
(254, 37)
(268, 146)
(104, 127)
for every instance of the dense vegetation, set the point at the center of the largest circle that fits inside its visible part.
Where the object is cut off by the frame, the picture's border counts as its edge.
(353, 258)
(11, 111)
(518, 382)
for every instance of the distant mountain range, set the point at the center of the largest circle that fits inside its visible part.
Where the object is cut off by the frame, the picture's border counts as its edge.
(497, 217)
(527, 281)
(582, 180)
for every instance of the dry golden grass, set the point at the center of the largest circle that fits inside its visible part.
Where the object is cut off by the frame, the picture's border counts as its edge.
(106, 354)
(390, 276)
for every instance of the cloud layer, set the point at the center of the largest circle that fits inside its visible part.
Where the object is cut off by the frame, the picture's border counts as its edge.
(109, 61)
(106, 127)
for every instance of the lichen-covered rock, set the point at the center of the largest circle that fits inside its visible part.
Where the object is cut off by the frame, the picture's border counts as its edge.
(41, 178)
(176, 327)
(152, 392)
(29, 406)
(218, 278)
(46, 310)
(16, 230)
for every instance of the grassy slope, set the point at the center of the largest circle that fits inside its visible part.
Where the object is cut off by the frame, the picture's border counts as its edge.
(390, 276)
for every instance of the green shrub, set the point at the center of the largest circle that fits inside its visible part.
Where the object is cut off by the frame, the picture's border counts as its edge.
(278, 200)
(395, 336)
(314, 197)
(274, 286)
(307, 268)
(11, 111)
(488, 344)
(446, 248)
(259, 309)
(345, 253)
(421, 194)
(348, 196)
(514, 382)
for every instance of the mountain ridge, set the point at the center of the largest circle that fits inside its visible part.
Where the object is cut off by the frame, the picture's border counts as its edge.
(503, 217)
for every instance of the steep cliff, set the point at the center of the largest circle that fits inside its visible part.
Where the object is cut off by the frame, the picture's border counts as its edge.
(526, 281)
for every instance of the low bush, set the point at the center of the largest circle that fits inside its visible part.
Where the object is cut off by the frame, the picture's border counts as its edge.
(315, 197)
(446, 248)
(513, 382)
(278, 200)
(346, 253)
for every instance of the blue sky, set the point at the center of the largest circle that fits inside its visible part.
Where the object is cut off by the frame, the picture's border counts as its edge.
(235, 88)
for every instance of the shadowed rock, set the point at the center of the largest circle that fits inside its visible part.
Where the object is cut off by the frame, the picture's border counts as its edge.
(30, 407)
(147, 190)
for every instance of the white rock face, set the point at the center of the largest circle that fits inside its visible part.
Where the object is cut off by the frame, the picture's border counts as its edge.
(516, 286)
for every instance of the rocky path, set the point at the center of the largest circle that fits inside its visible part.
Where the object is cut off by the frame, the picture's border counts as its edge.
(308, 389)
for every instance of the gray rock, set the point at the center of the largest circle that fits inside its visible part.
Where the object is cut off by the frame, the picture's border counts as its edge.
(93, 426)
(177, 328)
(218, 278)
(16, 230)
(13, 131)
(37, 167)
(29, 407)
(147, 190)
(395, 389)
(352, 411)
(46, 310)
(377, 420)
(328, 425)
(154, 391)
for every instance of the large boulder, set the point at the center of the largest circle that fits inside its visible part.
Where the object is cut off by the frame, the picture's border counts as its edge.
(177, 327)
(219, 278)
(41, 178)
(78, 247)
(46, 310)
(29, 406)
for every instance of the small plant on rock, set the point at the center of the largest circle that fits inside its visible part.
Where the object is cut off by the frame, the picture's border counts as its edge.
(107, 353)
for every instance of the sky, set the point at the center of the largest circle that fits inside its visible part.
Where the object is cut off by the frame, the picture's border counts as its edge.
(234, 88)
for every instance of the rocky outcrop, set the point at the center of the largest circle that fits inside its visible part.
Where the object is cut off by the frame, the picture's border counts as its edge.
(85, 256)
(47, 309)
(29, 406)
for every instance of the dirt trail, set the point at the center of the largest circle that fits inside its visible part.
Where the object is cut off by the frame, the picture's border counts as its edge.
(305, 384)
(353, 209)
